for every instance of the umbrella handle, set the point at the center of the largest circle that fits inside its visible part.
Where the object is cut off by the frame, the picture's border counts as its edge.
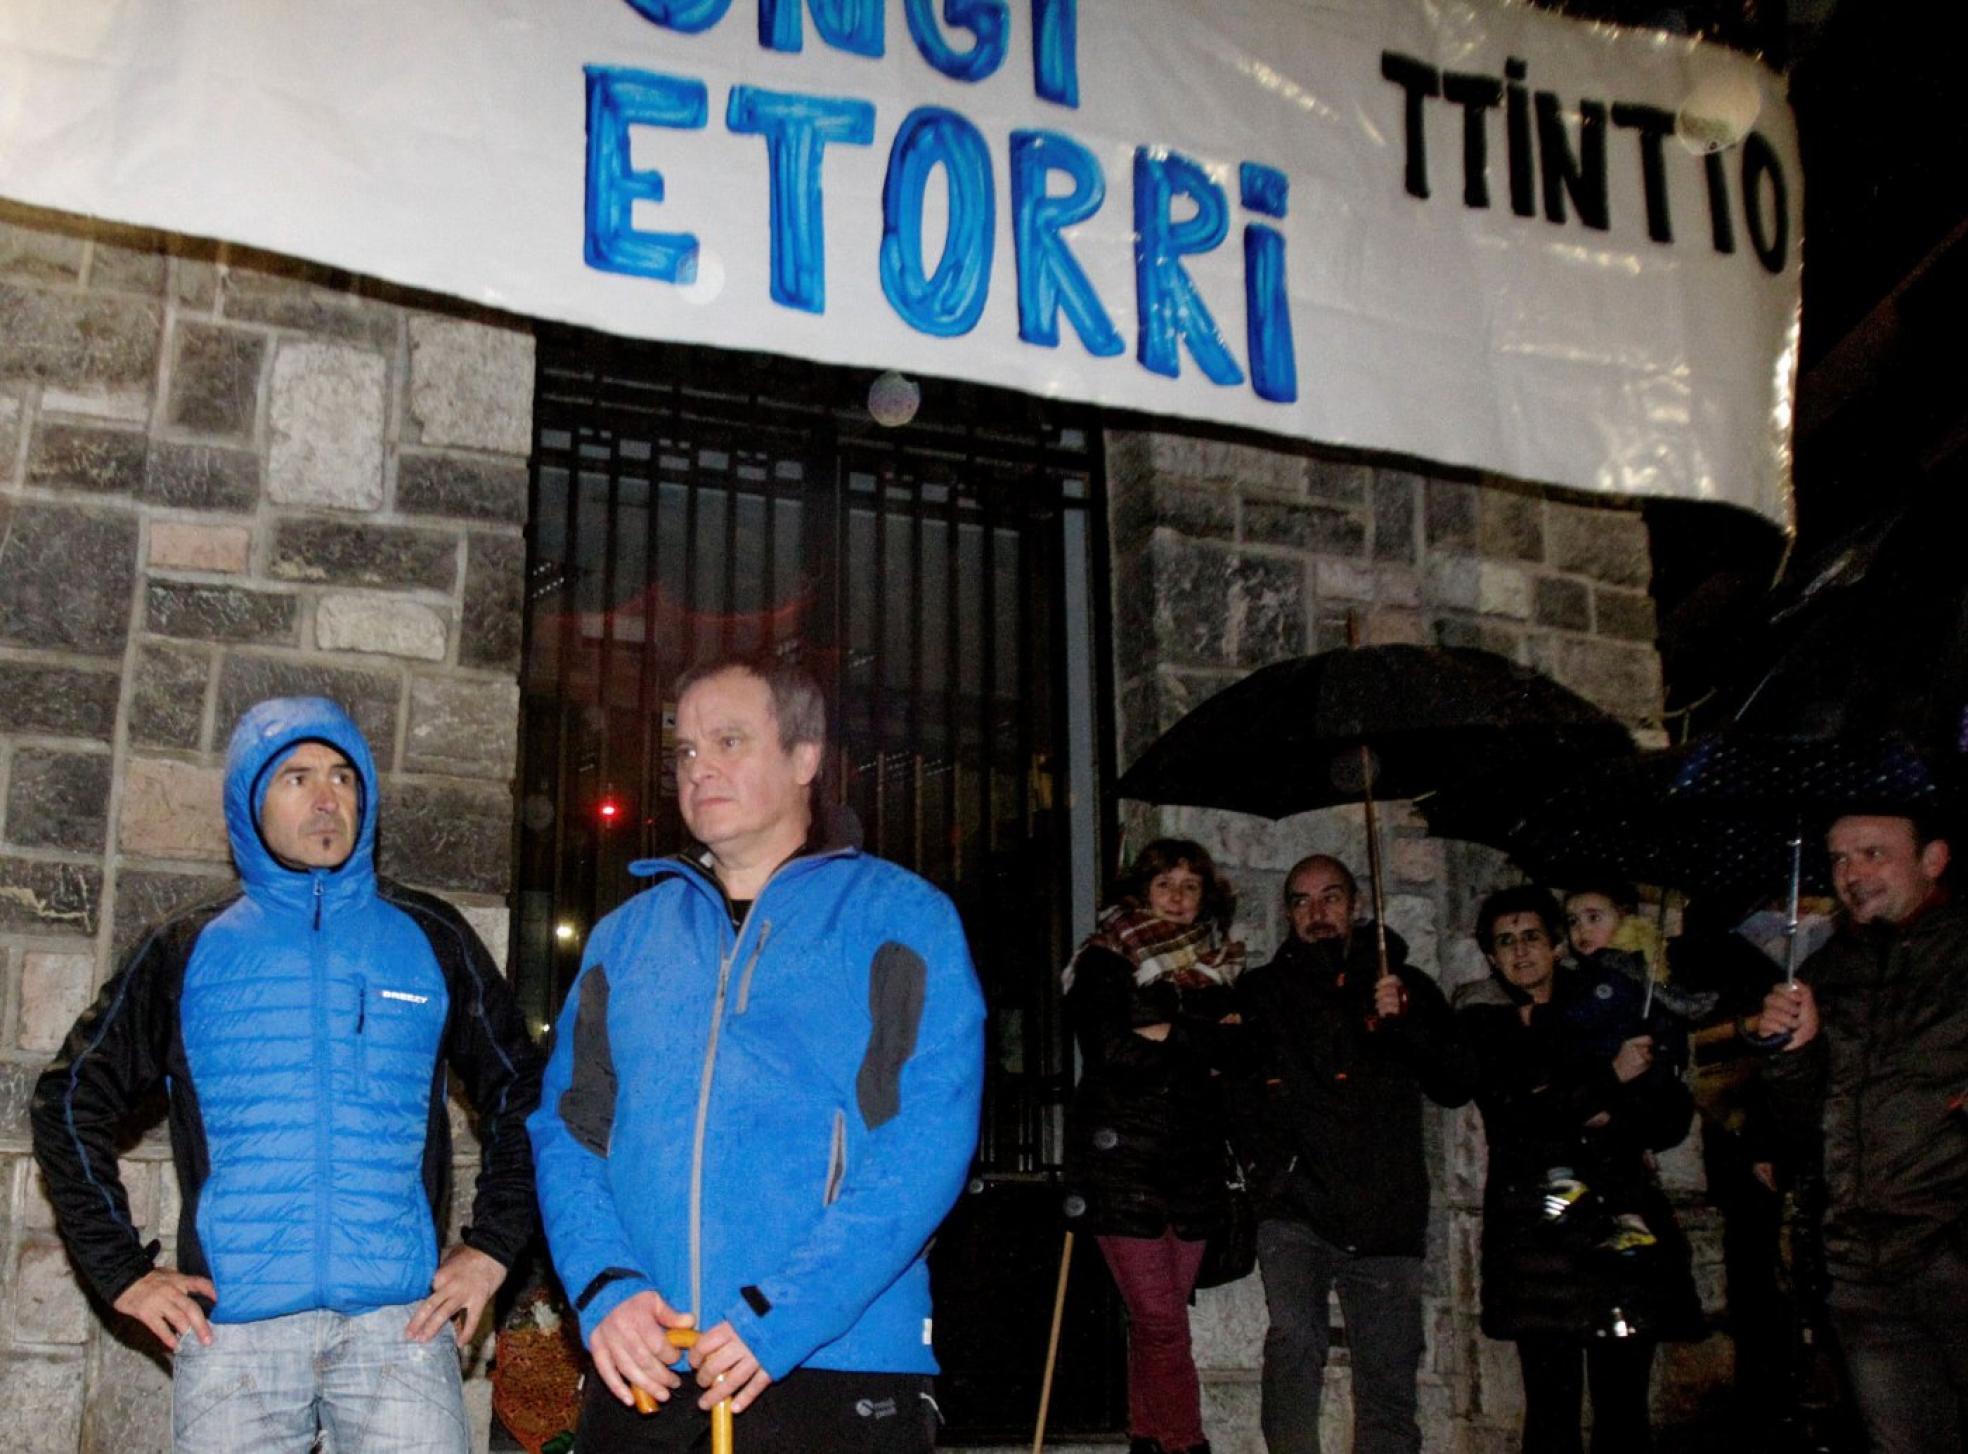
(1052, 1343)
(720, 1411)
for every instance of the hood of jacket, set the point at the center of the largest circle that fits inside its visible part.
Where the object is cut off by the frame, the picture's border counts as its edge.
(265, 736)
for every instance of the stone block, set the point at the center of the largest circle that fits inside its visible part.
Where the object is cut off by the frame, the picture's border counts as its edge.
(1340, 481)
(215, 379)
(1627, 615)
(41, 1390)
(48, 1305)
(472, 384)
(1452, 582)
(1397, 585)
(1604, 542)
(1449, 515)
(37, 1212)
(1187, 459)
(1303, 527)
(436, 835)
(379, 626)
(199, 477)
(1226, 1327)
(1230, 1416)
(12, 411)
(129, 1409)
(1198, 511)
(1267, 610)
(55, 988)
(1503, 590)
(173, 810)
(1395, 625)
(1505, 641)
(58, 800)
(32, 250)
(45, 600)
(288, 293)
(344, 553)
(463, 725)
(194, 612)
(180, 545)
(1190, 607)
(38, 897)
(370, 697)
(126, 260)
(1509, 524)
(60, 701)
(493, 925)
(1394, 510)
(148, 897)
(1415, 860)
(194, 282)
(1624, 680)
(1343, 580)
(327, 414)
(167, 701)
(467, 487)
(87, 342)
(1561, 602)
(83, 457)
(491, 623)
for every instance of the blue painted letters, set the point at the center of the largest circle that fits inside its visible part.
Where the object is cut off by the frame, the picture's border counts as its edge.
(950, 301)
(849, 25)
(618, 98)
(985, 19)
(1049, 276)
(1056, 50)
(688, 16)
(1172, 312)
(1267, 306)
(796, 130)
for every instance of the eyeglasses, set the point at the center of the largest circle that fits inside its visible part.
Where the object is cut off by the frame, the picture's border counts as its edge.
(1300, 901)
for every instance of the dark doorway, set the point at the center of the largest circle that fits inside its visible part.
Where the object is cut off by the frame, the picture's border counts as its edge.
(941, 578)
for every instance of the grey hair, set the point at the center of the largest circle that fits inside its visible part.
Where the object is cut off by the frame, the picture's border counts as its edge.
(798, 709)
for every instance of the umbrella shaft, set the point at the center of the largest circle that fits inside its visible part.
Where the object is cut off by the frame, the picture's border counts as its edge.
(1373, 858)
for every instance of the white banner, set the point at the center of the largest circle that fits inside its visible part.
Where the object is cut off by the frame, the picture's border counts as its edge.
(1455, 229)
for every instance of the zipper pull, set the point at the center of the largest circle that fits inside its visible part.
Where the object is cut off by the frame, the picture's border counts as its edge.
(361, 1004)
(317, 901)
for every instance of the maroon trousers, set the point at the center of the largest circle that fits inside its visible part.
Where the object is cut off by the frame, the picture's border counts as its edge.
(1156, 1276)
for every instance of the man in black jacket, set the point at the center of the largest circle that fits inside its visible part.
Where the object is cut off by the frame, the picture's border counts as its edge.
(1876, 1055)
(1344, 1055)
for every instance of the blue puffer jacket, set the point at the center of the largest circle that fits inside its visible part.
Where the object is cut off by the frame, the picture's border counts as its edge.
(766, 1126)
(302, 1030)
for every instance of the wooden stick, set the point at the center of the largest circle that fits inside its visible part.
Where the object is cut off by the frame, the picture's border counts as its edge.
(1052, 1343)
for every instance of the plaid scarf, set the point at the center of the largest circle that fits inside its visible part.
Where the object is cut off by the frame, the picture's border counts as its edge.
(1191, 955)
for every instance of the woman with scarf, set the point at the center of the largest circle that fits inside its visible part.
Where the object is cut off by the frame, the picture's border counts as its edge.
(1150, 1001)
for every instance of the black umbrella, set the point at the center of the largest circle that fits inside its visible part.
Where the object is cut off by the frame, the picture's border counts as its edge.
(1732, 814)
(1351, 725)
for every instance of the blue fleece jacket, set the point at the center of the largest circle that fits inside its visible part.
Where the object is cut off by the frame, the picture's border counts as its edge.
(766, 1125)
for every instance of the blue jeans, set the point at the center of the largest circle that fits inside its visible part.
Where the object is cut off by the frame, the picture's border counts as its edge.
(1380, 1300)
(1906, 1354)
(271, 1387)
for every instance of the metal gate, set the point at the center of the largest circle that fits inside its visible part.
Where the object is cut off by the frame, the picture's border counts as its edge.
(939, 577)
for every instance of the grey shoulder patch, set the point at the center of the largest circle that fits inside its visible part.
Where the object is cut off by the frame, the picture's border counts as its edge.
(896, 985)
(587, 1106)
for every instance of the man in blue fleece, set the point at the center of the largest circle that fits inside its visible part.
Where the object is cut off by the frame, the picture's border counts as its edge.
(761, 1101)
(301, 1030)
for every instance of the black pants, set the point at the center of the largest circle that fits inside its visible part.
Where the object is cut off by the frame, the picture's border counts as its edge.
(1906, 1352)
(1555, 1374)
(809, 1411)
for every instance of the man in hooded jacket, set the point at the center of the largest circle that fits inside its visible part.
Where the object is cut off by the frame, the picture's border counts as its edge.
(301, 1030)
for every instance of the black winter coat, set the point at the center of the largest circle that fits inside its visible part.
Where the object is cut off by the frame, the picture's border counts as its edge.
(1541, 1277)
(1145, 1145)
(1329, 1115)
(1882, 1080)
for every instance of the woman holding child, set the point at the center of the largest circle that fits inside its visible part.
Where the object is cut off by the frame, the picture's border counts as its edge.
(1149, 998)
(1583, 1265)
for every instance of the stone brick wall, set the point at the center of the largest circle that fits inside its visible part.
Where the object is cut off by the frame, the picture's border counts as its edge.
(1227, 556)
(223, 476)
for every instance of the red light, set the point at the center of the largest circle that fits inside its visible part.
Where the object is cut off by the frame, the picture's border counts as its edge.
(610, 810)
